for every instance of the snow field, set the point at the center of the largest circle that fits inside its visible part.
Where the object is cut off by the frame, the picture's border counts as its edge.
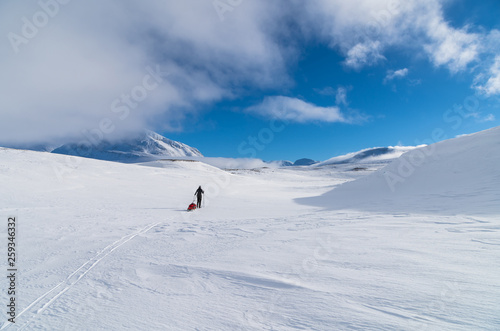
(110, 247)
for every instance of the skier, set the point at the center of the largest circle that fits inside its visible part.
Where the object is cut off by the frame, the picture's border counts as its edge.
(199, 192)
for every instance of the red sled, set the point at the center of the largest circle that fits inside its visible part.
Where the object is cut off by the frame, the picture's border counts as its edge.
(192, 207)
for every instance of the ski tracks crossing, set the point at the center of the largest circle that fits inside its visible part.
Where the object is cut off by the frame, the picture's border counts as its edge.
(48, 298)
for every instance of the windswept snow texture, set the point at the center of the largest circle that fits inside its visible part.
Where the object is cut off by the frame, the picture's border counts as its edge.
(460, 175)
(110, 246)
(148, 146)
(371, 155)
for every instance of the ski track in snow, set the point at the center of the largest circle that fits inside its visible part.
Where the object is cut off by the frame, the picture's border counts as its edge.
(423, 258)
(46, 300)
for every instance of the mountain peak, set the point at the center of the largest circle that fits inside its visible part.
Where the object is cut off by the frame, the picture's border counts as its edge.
(146, 146)
(304, 162)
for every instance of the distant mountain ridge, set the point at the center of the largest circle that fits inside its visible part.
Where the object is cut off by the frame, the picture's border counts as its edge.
(147, 146)
(370, 155)
(150, 146)
(304, 162)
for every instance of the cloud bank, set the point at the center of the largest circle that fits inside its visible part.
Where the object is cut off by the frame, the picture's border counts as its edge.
(69, 67)
(74, 68)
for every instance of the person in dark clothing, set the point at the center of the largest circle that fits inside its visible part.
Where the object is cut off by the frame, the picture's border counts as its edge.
(199, 192)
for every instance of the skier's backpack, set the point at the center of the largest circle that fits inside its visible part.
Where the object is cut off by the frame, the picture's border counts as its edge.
(192, 207)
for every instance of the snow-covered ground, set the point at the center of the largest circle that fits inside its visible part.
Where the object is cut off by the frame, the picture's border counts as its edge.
(109, 246)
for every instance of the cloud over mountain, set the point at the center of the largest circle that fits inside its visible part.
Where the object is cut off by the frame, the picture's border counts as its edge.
(69, 67)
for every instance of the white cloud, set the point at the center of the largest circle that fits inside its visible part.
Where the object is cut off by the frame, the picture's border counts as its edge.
(365, 29)
(364, 54)
(488, 118)
(479, 118)
(391, 74)
(341, 96)
(64, 79)
(67, 74)
(492, 84)
(327, 91)
(296, 110)
(451, 47)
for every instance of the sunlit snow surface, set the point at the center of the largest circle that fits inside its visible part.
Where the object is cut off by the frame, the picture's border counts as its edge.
(109, 246)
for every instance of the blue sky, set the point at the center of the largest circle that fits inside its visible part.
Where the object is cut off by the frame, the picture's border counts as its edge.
(403, 109)
(272, 80)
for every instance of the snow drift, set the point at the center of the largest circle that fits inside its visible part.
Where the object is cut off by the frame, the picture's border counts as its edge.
(455, 176)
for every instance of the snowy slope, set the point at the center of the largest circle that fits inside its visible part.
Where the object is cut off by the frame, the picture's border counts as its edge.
(370, 155)
(146, 147)
(460, 175)
(109, 246)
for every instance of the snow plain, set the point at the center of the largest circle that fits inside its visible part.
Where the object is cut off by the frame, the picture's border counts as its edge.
(109, 246)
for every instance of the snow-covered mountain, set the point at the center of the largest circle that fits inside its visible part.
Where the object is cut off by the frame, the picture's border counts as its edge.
(282, 163)
(453, 176)
(370, 155)
(147, 146)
